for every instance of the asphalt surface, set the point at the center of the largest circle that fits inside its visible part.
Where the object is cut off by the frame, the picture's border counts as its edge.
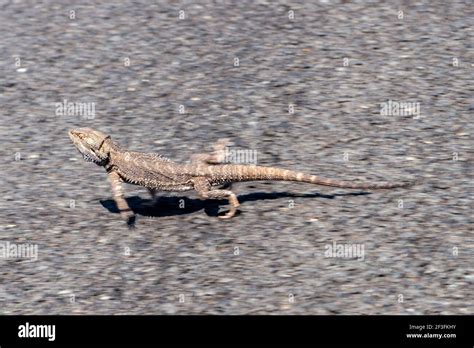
(270, 259)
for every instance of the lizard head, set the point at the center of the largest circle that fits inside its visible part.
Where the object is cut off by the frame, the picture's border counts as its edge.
(90, 144)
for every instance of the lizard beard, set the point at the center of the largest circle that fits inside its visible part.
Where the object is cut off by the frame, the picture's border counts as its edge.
(90, 156)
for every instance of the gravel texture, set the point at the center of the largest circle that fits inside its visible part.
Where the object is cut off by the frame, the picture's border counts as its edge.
(270, 259)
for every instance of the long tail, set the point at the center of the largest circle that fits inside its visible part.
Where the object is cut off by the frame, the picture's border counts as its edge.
(233, 172)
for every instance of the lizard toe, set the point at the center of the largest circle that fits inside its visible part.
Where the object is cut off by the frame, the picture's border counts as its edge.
(228, 215)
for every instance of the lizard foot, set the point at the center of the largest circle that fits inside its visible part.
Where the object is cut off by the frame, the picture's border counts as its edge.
(232, 211)
(228, 215)
(129, 217)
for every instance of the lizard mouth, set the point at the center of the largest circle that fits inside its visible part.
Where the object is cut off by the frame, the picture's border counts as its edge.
(71, 136)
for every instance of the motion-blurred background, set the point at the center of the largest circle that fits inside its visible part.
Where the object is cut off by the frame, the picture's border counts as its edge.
(308, 85)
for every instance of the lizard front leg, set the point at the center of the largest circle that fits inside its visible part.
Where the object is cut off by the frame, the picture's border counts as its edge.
(204, 190)
(125, 212)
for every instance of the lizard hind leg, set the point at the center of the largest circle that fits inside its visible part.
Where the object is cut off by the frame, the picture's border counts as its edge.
(216, 157)
(204, 190)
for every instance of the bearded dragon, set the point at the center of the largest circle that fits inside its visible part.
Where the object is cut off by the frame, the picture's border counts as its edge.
(204, 174)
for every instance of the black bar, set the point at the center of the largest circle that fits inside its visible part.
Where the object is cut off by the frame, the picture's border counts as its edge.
(289, 330)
